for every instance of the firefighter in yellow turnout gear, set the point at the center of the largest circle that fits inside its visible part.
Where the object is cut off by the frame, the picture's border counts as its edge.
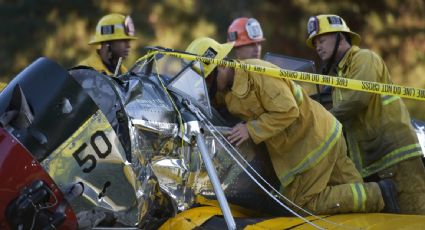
(113, 35)
(304, 140)
(381, 140)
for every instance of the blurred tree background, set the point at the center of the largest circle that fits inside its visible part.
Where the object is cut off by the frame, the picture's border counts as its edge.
(60, 29)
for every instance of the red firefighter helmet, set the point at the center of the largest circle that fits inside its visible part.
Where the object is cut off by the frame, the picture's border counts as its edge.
(245, 31)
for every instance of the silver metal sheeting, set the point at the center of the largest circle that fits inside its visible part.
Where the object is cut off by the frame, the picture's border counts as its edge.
(164, 171)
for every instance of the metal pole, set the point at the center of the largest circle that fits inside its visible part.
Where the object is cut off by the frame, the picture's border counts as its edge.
(215, 182)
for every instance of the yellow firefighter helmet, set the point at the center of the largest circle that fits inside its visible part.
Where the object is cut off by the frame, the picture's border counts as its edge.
(328, 23)
(113, 27)
(208, 47)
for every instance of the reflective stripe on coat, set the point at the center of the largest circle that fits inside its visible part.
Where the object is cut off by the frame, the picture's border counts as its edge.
(378, 128)
(297, 131)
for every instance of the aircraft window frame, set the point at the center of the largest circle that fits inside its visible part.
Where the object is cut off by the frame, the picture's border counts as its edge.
(206, 108)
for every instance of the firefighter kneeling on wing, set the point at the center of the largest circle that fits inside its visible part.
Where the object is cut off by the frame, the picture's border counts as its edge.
(311, 164)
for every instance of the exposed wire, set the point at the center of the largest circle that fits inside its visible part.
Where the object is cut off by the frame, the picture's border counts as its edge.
(213, 130)
(174, 106)
(260, 185)
(40, 207)
(150, 54)
(118, 67)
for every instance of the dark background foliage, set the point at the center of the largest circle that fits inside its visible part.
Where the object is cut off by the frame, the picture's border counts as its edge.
(60, 29)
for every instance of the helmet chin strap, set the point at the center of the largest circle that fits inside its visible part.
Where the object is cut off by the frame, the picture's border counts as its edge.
(110, 58)
(327, 66)
(110, 54)
(113, 59)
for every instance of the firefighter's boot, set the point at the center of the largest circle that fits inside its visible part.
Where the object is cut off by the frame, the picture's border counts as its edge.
(389, 194)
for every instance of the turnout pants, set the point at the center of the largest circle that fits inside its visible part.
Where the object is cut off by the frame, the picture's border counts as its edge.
(334, 186)
(409, 178)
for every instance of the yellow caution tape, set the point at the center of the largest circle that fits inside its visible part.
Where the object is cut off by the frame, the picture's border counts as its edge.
(366, 86)
(359, 85)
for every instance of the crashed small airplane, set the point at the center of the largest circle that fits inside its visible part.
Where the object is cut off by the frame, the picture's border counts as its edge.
(145, 150)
